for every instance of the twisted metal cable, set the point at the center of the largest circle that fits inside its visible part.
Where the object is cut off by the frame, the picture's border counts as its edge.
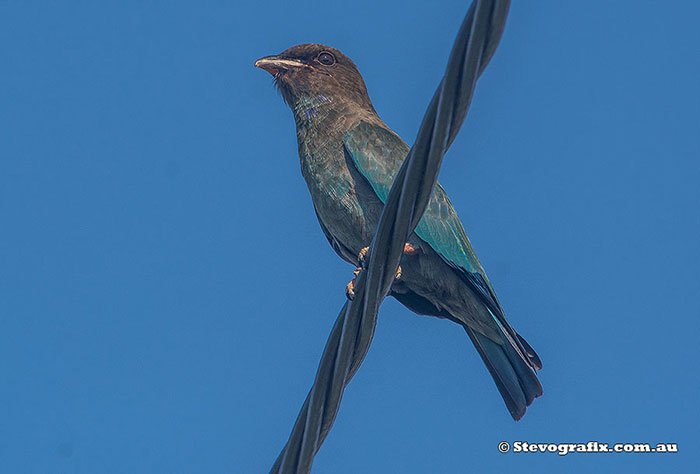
(352, 333)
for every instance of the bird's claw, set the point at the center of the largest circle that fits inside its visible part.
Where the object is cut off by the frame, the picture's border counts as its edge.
(363, 257)
(350, 288)
(361, 264)
(409, 249)
(362, 261)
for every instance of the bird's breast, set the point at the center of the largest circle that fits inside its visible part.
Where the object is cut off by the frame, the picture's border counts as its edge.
(345, 203)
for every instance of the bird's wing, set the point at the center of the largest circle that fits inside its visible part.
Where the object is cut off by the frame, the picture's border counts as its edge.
(378, 153)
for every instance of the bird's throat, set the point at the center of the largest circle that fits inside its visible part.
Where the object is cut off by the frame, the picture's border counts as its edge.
(310, 108)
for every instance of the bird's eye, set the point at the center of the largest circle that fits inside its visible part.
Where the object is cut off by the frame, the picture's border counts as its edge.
(326, 58)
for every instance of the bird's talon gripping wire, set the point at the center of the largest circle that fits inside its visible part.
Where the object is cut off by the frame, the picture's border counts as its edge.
(361, 263)
(362, 257)
(408, 249)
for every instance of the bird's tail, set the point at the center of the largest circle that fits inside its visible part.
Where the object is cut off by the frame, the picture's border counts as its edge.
(512, 365)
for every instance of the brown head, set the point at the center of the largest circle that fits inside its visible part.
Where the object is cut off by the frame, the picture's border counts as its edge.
(309, 71)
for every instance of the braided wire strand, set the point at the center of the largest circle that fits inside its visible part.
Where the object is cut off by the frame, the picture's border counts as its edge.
(354, 328)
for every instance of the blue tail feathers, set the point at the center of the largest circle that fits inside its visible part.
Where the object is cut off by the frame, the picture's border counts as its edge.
(512, 370)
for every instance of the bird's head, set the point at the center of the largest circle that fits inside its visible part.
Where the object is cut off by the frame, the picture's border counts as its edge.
(314, 72)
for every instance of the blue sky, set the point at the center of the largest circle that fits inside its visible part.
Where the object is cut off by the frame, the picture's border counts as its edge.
(166, 291)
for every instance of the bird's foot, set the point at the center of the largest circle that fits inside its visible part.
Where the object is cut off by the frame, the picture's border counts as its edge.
(362, 258)
(362, 261)
(350, 288)
(408, 249)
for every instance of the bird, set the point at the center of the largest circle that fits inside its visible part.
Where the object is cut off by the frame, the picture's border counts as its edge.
(349, 160)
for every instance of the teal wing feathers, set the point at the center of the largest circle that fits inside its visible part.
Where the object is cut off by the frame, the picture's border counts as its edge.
(378, 154)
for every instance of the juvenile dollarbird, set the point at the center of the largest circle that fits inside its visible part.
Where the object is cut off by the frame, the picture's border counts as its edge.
(349, 159)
